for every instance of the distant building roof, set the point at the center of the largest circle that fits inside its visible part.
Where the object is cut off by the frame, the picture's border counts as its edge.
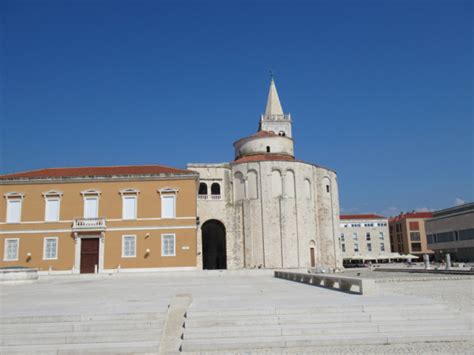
(95, 171)
(464, 208)
(411, 215)
(361, 216)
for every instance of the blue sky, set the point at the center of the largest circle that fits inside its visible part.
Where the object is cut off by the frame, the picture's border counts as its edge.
(380, 91)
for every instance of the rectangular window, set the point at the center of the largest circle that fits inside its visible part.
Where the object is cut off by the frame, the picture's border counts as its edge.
(129, 207)
(367, 236)
(51, 213)
(356, 248)
(415, 226)
(168, 247)
(91, 207)
(168, 206)
(14, 210)
(50, 251)
(343, 248)
(415, 246)
(382, 247)
(369, 247)
(381, 236)
(342, 237)
(129, 246)
(354, 236)
(415, 236)
(11, 249)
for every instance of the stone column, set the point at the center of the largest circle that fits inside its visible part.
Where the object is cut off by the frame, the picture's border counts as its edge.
(426, 259)
(448, 261)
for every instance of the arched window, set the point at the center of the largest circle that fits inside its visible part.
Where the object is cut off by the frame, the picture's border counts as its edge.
(268, 149)
(252, 184)
(202, 188)
(215, 189)
(281, 133)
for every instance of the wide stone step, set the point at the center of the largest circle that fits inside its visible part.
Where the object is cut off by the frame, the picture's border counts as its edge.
(330, 328)
(80, 338)
(76, 349)
(45, 328)
(82, 318)
(202, 313)
(320, 340)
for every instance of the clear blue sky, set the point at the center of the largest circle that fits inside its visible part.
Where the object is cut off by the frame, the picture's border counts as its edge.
(380, 91)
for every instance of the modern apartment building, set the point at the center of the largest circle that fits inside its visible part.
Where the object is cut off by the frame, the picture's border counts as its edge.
(408, 233)
(451, 230)
(364, 237)
(99, 219)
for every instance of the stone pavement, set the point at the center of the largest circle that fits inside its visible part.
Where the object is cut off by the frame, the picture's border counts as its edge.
(246, 311)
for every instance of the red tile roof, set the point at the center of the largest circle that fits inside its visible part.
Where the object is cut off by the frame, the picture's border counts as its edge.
(263, 157)
(361, 216)
(90, 171)
(411, 215)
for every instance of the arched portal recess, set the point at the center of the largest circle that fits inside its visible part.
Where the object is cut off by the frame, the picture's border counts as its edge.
(214, 253)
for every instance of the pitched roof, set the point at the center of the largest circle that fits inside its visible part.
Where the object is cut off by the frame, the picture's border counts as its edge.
(94, 171)
(361, 216)
(411, 215)
(262, 157)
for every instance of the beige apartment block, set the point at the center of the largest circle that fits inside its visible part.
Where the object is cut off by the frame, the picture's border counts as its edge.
(99, 219)
(364, 237)
(408, 233)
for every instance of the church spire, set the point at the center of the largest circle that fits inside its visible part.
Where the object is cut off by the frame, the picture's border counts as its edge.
(274, 119)
(273, 101)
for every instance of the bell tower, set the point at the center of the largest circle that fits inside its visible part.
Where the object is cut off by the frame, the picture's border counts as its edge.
(274, 120)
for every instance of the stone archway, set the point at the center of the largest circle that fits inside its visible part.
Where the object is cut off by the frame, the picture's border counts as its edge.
(214, 252)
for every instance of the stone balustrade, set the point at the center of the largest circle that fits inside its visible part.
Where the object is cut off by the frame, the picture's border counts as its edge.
(341, 283)
(89, 224)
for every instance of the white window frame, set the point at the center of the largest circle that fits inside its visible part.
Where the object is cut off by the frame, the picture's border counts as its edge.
(91, 194)
(134, 243)
(163, 243)
(127, 193)
(166, 196)
(5, 249)
(168, 192)
(45, 257)
(13, 196)
(46, 200)
(135, 212)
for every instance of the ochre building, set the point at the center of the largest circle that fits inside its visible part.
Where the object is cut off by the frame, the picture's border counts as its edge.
(99, 219)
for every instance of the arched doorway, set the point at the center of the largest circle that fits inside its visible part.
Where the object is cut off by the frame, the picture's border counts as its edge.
(214, 255)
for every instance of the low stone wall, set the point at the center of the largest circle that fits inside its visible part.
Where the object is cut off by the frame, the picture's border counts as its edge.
(18, 275)
(340, 283)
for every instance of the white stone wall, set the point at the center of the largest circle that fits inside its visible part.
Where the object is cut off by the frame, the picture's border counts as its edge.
(258, 145)
(275, 231)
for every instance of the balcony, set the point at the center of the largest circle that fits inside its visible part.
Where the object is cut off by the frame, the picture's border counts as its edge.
(210, 197)
(88, 224)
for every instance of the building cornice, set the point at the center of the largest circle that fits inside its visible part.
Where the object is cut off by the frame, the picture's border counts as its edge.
(76, 179)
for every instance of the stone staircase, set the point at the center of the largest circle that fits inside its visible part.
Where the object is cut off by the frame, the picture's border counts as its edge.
(304, 326)
(78, 334)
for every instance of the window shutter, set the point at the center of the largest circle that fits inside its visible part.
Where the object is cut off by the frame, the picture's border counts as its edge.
(129, 207)
(14, 211)
(90, 207)
(52, 210)
(167, 207)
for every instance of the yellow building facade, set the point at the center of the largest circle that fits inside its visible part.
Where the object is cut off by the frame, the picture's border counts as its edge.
(102, 219)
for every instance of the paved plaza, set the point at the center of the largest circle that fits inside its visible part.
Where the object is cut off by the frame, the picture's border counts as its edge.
(237, 312)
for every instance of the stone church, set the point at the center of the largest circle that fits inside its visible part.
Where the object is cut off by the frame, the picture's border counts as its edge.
(266, 209)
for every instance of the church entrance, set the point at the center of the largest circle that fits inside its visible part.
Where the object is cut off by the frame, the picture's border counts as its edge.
(214, 254)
